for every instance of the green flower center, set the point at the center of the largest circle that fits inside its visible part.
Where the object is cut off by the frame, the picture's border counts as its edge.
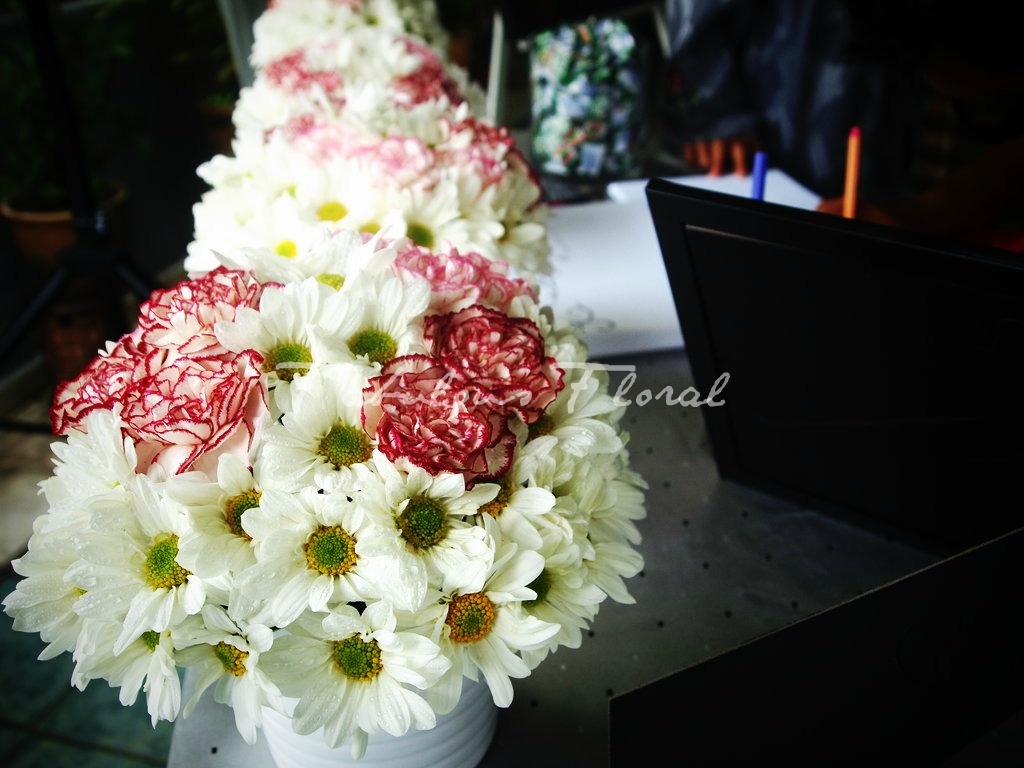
(540, 427)
(162, 570)
(420, 234)
(288, 360)
(237, 506)
(332, 211)
(370, 227)
(423, 522)
(345, 445)
(495, 506)
(287, 248)
(470, 617)
(151, 639)
(329, 278)
(541, 585)
(232, 658)
(358, 659)
(330, 550)
(378, 346)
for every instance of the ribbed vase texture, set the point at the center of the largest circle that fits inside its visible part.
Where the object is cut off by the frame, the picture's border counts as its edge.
(459, 740)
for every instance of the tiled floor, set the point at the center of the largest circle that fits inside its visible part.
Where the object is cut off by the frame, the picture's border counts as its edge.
(44, 721)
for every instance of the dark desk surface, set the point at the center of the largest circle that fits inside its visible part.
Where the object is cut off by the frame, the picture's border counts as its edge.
(724, 565)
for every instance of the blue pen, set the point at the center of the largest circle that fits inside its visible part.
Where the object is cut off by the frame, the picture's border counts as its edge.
(760, 165)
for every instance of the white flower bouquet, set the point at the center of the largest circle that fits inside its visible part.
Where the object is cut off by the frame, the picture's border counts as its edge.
(360, 129)
(349, 476)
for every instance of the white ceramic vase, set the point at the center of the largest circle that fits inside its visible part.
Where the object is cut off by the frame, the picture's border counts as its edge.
(459, 740)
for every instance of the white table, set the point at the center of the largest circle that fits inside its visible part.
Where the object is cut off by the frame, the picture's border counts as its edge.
(609, 279)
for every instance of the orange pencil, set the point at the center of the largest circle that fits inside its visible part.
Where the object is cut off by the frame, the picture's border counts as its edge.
(852, 169)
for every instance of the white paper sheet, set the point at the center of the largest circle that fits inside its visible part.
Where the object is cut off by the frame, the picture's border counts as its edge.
(609, 279)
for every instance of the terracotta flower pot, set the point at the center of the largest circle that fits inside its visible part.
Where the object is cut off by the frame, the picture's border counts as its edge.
(79, 317)
(41, 235)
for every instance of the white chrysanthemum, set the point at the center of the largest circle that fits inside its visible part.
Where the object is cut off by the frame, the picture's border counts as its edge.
(432, 215)
(340, 254)
(377, 318)
(216, 542)
(598, 492)
(579, 424)
(146, 663)
(44, 600)
(282, 226)
(129, 570)
(96, 463)
(521, 510)
(227, 654)
(286, 330)
(484, 627)
(614, 519)
(320, 436)
(290, 24)
(261, 106)
(356, 674)
(308, 557)
(564, 597)
(429, 531)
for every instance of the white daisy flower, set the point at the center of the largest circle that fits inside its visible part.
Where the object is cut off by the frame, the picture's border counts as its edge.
(521, 510)
(145, 663)
(378, 318)
(129, 569)
(308, 557)
(564, 597)
(286, 330)
(432, 215)
(227, 654)
(428, 530)
(44, 600)
(356, 674)
(97, 462)
(320, 436)
(484, 627)
(614, 518)
(216, 542)
(579, 424)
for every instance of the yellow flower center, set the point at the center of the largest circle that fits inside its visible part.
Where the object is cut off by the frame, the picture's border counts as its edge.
(331, 211)
(161, 569)
(345, 445)
(151, 639)
(288, 360)
(423, 522)
(232, 658)
(420, 234)
(287, 248)
(495, 506)
(237, 506)
(470, 617)
(329, 278)
(331, 550)
(358, 659)
(377, 346)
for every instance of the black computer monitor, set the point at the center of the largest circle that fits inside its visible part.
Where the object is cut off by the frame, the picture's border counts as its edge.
(873, 373)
